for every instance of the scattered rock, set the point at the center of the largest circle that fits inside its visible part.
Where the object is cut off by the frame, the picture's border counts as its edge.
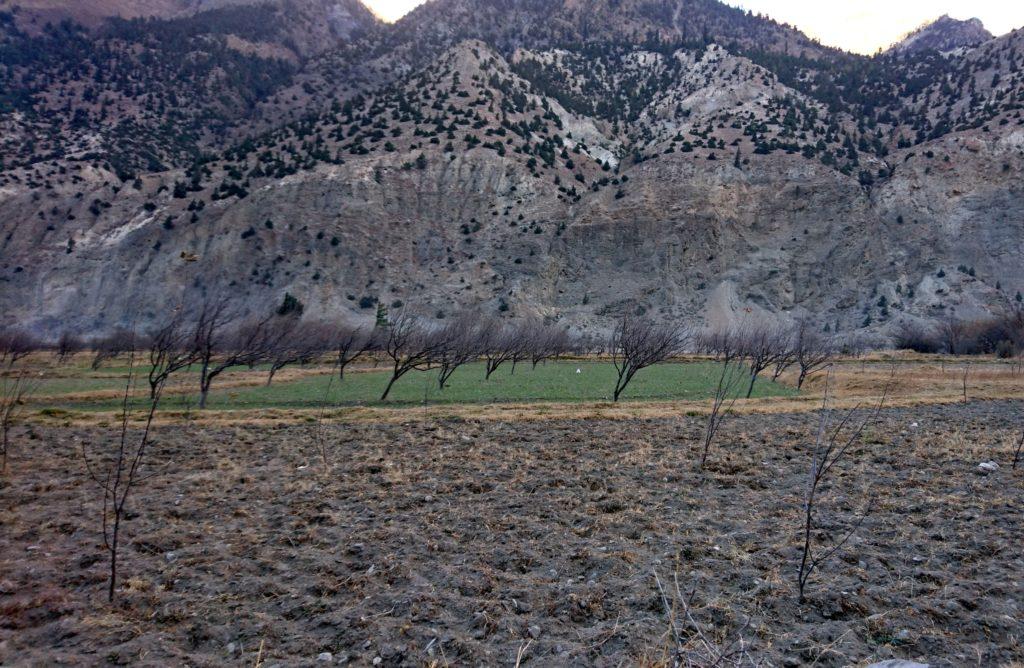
(325, 657)
(987, 467)
(533, 631)
(898, 663)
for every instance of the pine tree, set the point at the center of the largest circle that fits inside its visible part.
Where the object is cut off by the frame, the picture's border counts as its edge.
(382, 316)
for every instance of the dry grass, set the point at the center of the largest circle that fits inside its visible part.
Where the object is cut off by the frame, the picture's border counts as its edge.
(448, 540)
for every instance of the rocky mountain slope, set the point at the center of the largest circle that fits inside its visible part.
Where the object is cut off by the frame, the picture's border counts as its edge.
(944, 34)
(572, 160)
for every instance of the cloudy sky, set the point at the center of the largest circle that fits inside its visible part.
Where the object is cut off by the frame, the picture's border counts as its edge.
(855, 25)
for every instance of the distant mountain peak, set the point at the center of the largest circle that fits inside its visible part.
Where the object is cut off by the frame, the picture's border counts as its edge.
(944, 34)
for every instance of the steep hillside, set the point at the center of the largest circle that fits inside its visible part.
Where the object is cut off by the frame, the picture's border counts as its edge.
(475, 154)
(143, 95)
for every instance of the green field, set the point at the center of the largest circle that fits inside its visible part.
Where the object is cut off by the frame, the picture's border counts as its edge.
(564, 381)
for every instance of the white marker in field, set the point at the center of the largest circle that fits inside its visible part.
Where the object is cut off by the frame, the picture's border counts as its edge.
(578, 370)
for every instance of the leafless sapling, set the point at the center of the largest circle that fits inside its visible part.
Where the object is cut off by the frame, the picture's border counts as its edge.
(1016, 455)
(726, 393)
(638, 343)
(761, 343)
(963, 378)
(830, 447)
(14, 391)
(119, 473)
(409, 345)
(813, 352)
(696, 647)
(725, 345)
(319, 425)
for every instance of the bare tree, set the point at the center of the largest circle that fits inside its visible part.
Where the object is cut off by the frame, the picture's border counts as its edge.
(212, 322)
(725, 345)
(458, 343)
(118, 474)
(916, 336)
(293, 342)
(16, 344)
(813, 352)
(963, 378)
(638, 343)
(1016, 455)
(952, 333)
(14, 390)
(410, 346)
(319, 426)
(762, 344)
(788, 353)
(726, 394)
(116, 343)
(172, 347)
(547, 342)
(501, 343)
(68, 345)
(829, 449)
(218, 347)
(351, 343)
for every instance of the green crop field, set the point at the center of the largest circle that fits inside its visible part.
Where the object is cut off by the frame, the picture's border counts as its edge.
(564, 381)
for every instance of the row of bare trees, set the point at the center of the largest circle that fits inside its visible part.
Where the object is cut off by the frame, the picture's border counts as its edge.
(214, 339)
(413, 344)
(756, 345)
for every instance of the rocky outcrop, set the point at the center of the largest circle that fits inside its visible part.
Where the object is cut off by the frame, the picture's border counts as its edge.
(944, 34)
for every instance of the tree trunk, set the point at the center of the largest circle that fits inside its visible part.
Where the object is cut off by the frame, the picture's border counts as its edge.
(387, 390)
(204, 383)
(750, 390)
(113, 557)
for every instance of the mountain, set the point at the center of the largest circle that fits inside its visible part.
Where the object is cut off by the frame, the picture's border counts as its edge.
(567, 159)
(340, 18)
(944, 34)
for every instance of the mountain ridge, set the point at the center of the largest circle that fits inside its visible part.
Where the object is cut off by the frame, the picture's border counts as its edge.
(567, 179)
(944, 34)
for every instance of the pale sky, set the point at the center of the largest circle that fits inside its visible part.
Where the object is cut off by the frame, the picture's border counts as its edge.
(854, 25)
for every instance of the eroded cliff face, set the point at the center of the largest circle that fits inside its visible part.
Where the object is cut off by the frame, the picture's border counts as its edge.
(685, 239)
